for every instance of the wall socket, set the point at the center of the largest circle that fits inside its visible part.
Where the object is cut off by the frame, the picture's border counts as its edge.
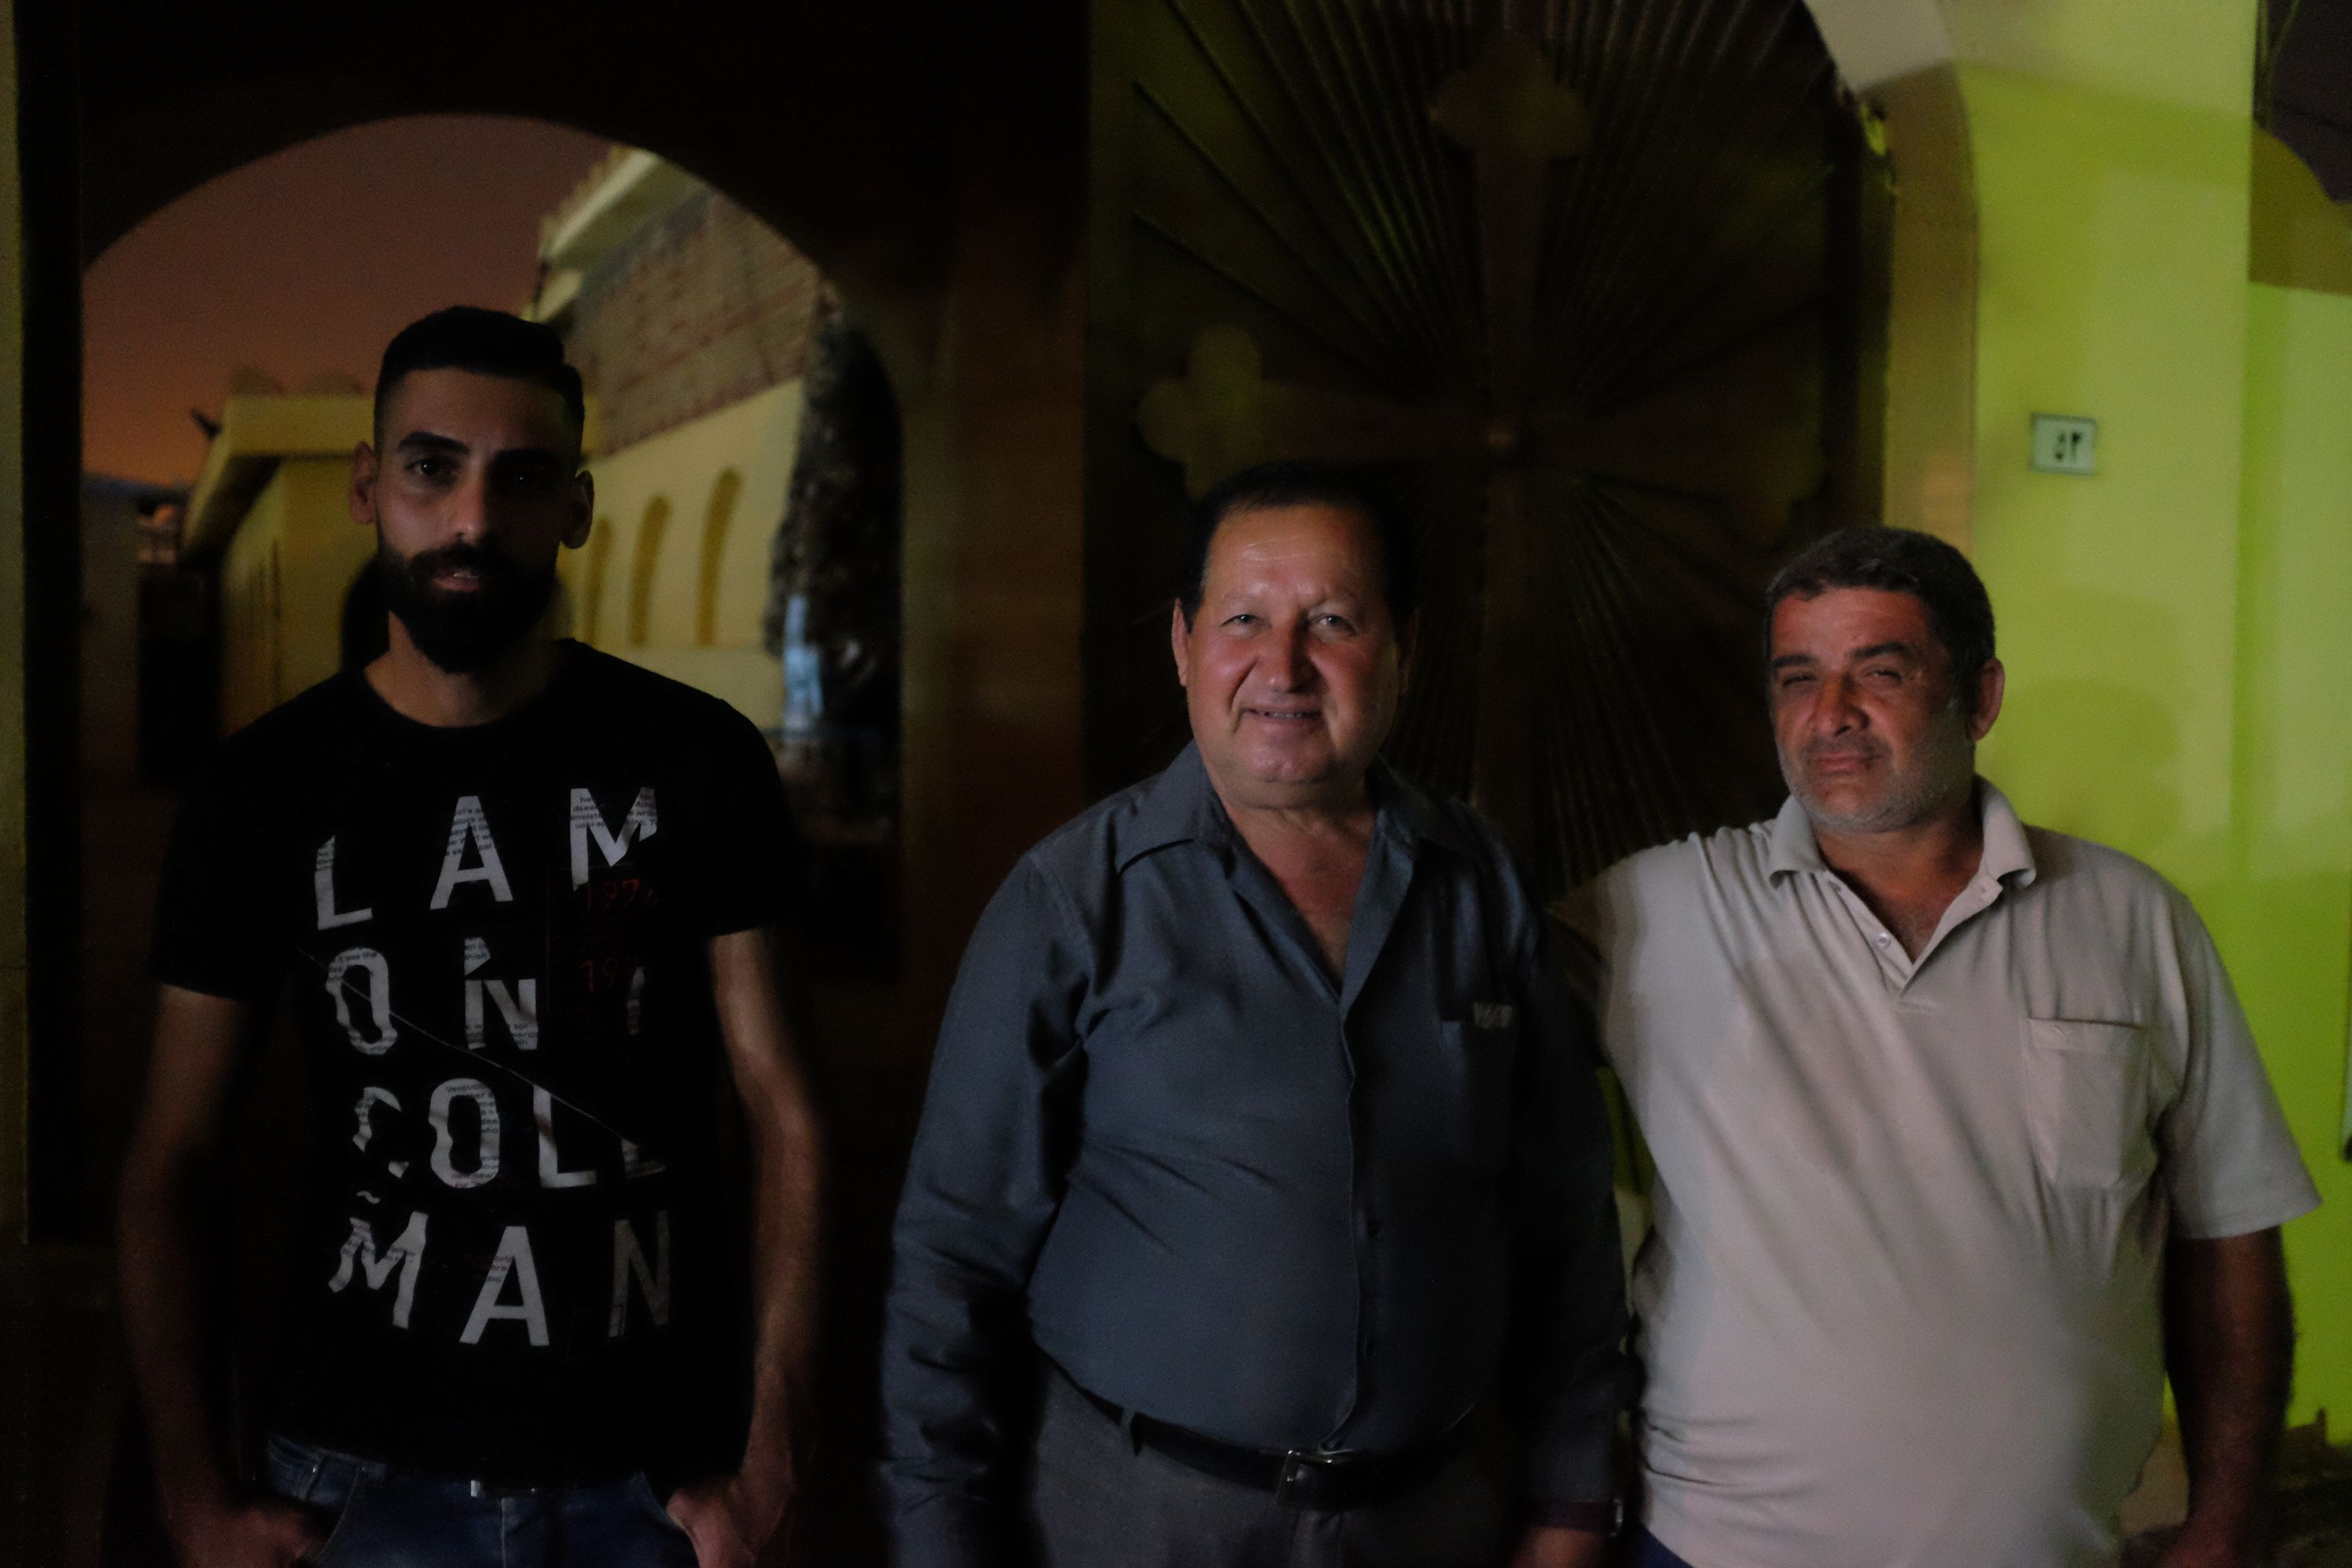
(2063, 444)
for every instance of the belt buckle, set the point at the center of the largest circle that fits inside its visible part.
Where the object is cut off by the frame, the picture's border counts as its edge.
(1303, 1472)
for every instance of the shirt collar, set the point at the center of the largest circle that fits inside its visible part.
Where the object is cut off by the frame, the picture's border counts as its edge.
(1181, 806)
(2006, 852)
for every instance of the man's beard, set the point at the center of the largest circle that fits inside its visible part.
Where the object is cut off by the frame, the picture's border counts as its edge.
(463, 633)
(1941, 767)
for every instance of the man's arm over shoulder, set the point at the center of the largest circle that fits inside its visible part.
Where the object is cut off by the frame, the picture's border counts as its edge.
(982, 1186)
(1602, 930)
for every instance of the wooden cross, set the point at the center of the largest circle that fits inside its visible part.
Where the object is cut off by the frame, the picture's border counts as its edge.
(1516, 120)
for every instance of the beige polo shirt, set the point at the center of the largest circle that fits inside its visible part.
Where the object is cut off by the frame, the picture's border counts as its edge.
(1899, 1308)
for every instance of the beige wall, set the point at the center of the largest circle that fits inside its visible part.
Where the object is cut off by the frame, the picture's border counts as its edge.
(684, 595)
(282, 584)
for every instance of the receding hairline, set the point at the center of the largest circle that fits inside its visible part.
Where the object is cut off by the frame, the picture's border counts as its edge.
(1366, 526)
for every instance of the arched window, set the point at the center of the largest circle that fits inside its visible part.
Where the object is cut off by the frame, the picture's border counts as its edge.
(641, 570)
(723, 496)
(591, 588)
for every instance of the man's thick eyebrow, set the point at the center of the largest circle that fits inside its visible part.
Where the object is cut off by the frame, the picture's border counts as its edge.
(1791, 660)
(427, 441)
(1878, 648)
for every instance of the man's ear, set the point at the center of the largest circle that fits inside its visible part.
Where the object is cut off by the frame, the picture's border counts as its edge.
(1984, 701)
(584, 510)
(1408, 640)
(364, 467)
(1179, 640)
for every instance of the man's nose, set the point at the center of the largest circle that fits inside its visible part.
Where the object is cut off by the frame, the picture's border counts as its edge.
(469, 509)
(1288, 665)
(1836, 711)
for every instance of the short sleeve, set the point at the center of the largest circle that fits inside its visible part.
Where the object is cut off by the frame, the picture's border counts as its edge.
(214, 928)
(2232, 1166)
(748, 866)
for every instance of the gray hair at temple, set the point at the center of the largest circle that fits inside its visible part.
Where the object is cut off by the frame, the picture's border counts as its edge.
(1897, 561)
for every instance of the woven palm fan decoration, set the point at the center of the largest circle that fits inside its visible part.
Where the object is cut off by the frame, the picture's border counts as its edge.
(1593, 281)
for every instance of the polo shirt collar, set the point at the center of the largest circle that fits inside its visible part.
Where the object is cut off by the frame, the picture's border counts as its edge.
(2006, 852)
(1182, 807)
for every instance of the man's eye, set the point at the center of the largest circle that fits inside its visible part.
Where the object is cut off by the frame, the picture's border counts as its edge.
(431, 468)
(1795, 679)
(1335, 623)
(1241, 620)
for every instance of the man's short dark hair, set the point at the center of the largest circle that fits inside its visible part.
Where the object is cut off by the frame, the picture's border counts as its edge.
(487, 342)
(1897, 561)
(1297, 482)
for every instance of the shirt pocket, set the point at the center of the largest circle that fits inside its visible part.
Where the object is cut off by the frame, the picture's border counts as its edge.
(2086, 1102)
(1480, 1061)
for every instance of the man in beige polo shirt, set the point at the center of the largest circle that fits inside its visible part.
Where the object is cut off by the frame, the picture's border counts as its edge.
(1952, 1118)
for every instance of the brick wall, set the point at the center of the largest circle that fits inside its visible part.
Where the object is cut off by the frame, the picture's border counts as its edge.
(700, 308)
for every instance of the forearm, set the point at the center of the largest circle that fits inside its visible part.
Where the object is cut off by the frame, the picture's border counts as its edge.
(164, 1304)
(2228, 1348)
(785, 1299)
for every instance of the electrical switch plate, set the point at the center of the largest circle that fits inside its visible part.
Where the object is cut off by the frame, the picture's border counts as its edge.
(2065, 444)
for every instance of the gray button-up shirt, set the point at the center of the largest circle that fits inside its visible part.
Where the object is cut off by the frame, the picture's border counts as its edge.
(1219, 1186)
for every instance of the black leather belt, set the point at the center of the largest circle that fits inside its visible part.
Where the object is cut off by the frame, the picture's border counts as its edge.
(1327, 1480)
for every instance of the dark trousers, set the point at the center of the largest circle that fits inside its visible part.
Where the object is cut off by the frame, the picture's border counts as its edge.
(1095, 1501)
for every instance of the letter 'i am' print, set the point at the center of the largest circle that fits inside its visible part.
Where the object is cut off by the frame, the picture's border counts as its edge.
(494, 996)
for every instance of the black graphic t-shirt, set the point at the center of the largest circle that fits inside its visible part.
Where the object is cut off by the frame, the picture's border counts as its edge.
(508, 1263)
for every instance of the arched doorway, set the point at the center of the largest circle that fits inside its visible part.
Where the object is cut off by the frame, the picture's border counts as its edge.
(693, 323)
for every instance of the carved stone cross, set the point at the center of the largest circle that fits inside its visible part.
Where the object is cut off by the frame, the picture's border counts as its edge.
(1736, 441)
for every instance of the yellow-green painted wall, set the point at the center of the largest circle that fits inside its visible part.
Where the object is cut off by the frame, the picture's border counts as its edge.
(2286, 920)
(2176, 627)
(2113, 284)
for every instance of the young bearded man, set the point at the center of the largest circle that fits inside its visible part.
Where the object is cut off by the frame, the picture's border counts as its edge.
(522, 896)
(1963, 1144)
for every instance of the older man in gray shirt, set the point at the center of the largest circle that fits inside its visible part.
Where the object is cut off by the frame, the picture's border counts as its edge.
(1256, 1111)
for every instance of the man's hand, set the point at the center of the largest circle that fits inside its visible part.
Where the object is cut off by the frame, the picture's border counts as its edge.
(269, 1533)
(730, 1518)
(1556, 1546)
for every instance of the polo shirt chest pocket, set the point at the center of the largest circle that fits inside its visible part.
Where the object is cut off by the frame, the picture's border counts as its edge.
(2088, 1087)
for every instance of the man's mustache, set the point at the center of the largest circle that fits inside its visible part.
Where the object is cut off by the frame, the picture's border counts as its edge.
(1859, 751)
(494, 568)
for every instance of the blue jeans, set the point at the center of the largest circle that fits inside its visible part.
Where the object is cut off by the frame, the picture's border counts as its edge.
(384, 1517)
(1642, 1551)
